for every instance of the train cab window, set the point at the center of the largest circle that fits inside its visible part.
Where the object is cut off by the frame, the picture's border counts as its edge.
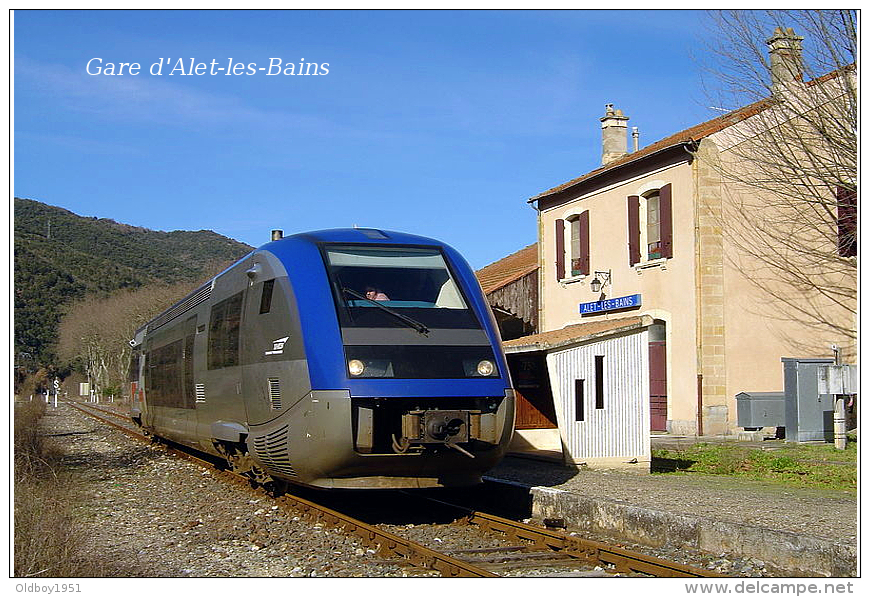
(223, 333)
(413, 281)
(266, 297)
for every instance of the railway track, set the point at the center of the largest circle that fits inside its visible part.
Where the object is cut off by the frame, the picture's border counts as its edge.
(515, 546)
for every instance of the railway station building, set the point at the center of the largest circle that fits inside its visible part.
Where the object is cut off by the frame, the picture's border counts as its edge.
(649, 246)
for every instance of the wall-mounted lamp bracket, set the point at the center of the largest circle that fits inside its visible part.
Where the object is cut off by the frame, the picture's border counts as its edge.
(600, 280)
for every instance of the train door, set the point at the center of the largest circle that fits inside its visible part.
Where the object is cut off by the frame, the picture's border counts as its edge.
(144, 389)
(258, 339)
(218, 375)
(134, 375)
(169, 381)
(275, 372)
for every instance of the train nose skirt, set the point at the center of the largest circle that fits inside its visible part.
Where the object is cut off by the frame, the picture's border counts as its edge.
(272, 451)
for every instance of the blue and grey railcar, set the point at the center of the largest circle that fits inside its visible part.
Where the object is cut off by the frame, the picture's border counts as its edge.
(349, 358)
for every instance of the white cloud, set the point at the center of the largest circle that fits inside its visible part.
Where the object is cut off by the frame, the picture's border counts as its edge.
(146, 98)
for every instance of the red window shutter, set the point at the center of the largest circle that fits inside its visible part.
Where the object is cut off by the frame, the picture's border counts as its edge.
(633, 229)
(584, 243)
(560, 249)
(847, 222)
(666, 221)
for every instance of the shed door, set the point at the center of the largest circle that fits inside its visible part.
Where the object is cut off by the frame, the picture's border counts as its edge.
(534, 408)
(658, 386)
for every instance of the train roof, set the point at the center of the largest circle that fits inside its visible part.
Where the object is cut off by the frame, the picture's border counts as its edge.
(364, 235)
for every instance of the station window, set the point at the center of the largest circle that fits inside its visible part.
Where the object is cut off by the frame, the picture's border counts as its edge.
(579, 414)
(650, 226)
(579, 246)
(653, 227)
(599, 381)
(847, 222)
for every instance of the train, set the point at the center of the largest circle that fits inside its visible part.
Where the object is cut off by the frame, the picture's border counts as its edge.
(351, 358)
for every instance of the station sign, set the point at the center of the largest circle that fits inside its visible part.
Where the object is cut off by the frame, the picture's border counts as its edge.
(613, 304)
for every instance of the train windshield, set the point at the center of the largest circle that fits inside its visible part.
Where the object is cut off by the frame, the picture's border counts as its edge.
(395, 287)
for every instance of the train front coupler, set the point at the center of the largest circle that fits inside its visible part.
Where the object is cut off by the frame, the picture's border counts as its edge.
(449, 428)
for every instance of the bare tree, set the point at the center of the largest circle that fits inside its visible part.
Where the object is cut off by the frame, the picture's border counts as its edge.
(791, 167)
(96, 331)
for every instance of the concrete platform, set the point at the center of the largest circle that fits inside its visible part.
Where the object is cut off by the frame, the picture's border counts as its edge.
(798, 532)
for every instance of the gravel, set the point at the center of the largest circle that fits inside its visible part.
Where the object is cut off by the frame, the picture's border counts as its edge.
(164, 517)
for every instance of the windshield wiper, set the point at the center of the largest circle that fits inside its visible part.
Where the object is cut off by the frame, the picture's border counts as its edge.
(404, 318)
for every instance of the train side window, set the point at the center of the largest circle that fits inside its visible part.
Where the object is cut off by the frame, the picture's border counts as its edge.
(215, 335)
(223, 334)
(163, 382)
(266, 297)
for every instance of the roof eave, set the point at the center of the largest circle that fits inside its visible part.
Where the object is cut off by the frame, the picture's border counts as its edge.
(645, 321)
(511, 279)
(689, 144)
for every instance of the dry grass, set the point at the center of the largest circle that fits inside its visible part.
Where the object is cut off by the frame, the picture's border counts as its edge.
(30, 452)
(47, 540)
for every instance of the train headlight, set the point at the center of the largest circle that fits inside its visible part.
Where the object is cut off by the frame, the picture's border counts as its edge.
(479, 368)
(356, 367)
(485, 368)
(370, 368)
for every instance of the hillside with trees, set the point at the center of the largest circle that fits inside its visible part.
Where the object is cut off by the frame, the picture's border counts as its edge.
(60, 258)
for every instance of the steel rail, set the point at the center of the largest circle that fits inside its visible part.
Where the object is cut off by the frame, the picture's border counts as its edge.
(106, 411)
(622, 560)
(131, 432)
(387, 544)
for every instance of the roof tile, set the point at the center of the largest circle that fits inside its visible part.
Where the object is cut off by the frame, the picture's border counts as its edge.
(575, 333)
(695, 133)
(508, 269)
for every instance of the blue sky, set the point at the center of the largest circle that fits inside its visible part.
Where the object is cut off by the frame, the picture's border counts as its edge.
(440, 123)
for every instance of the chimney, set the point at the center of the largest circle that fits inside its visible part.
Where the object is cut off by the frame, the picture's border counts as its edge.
(786, 60)
(614, 140)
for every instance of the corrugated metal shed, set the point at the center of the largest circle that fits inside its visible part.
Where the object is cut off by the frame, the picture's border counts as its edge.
(599, 374)
(618, 433)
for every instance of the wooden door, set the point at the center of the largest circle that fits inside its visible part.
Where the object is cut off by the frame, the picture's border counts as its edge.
(534, 407)
(658, 386)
